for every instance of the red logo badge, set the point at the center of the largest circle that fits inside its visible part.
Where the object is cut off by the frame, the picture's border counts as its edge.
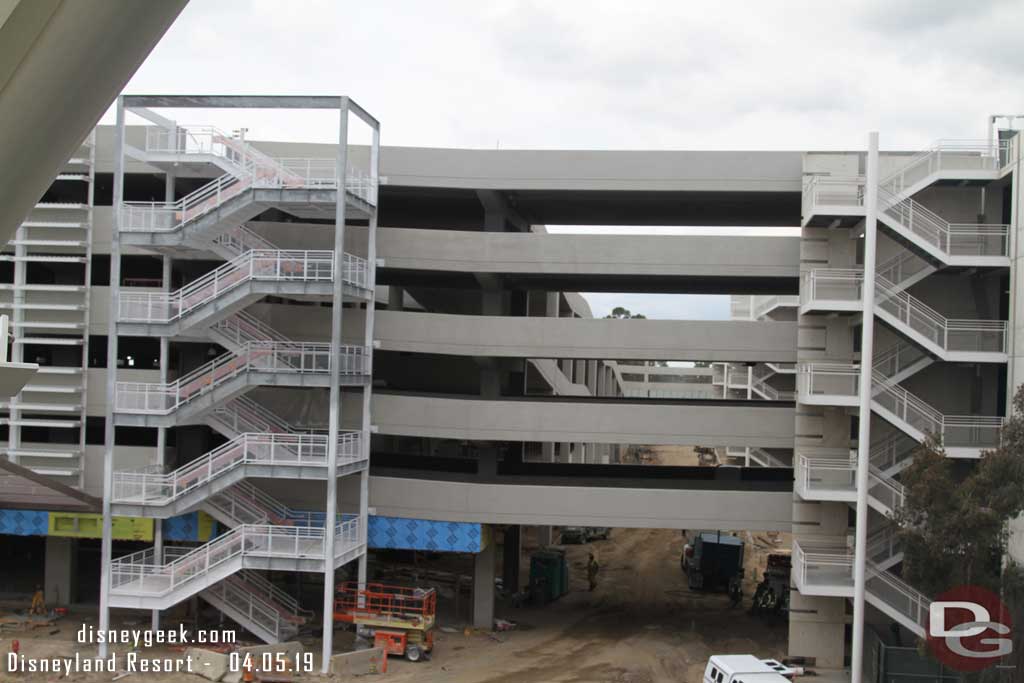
(969, 629)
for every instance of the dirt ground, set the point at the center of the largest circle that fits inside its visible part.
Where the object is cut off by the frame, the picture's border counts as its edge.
(641, 625)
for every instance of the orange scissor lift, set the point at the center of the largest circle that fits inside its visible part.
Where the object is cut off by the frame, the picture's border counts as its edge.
(400, 619)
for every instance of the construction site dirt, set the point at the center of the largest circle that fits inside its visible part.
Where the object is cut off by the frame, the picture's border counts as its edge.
(642, 624)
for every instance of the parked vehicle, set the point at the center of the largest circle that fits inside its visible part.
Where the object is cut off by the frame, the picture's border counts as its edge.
(772, 594)
(713, 561)
(747, 669)
(572, 535)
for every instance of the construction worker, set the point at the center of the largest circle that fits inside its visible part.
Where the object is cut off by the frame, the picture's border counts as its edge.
(38, 602)
(592, 569)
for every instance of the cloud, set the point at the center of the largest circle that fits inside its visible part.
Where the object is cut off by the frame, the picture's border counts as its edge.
(602, 74)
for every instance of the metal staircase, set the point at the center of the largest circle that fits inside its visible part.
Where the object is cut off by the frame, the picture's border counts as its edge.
(836, 384)
(260, 607)
(251, 182)
(926, 243)
(144, 580)
(263, 534)
(293, 364)
(235, 285)
(827, 570)
(145, 493)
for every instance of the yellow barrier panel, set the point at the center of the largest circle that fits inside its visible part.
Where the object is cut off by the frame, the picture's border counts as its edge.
(84, 525)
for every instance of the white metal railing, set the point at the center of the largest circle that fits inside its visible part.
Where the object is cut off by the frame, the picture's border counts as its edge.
(832, 191)
(348, 534)
(242, 327)
(253, 172)
(827, 379)
(276, 357)
(832, 284)
(946, 333)
(285, 450)
(259, 265)
(824, 564)
(975, 431)
(842, 380)
(814, 473)
(891, 452)
(886, 490)
(253, 608)
(190, 139)
(898, 358)
(759, 382)
(831, 565)
(946, 155)
(242, 414)
(281, 598)
(884, 544)
(140, 574)
(953, 239)
(839, 473)
(241, 239)
(902, 267)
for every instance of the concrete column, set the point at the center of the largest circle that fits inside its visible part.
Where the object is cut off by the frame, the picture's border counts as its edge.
(490, 383)
(510, 558)
(483, 587)
(161, 432)
(547, 451)
(545, 535)
(59, 574)
(396, 297)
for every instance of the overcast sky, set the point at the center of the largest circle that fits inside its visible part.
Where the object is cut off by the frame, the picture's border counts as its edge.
(611, 75)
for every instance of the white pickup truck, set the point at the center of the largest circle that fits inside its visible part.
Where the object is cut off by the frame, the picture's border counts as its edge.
(747, 669)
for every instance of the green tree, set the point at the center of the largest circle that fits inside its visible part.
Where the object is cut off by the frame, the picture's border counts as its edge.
(955, 519)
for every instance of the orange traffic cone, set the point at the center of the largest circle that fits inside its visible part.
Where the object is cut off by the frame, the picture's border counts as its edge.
(247, 676)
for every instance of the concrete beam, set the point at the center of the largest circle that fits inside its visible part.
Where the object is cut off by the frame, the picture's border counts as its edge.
(640, 508)
(579, 338)
(618, 256)
(707, 423)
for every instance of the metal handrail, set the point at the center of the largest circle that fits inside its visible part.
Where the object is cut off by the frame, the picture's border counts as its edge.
(953, 239)
(881, 585)
(832, 284)
(129, 575)
(825, 378)
(946, 154)
(285, 450)
(287, 357)
(902, 267)
(813, 470)
(897, 358)
(953, 430)
(255, 607)
(277, 595)
(242, 414)
(948, 333)
(253, 171)
(243, 327)
(256, 264)
(241, 239)
(842, 191)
